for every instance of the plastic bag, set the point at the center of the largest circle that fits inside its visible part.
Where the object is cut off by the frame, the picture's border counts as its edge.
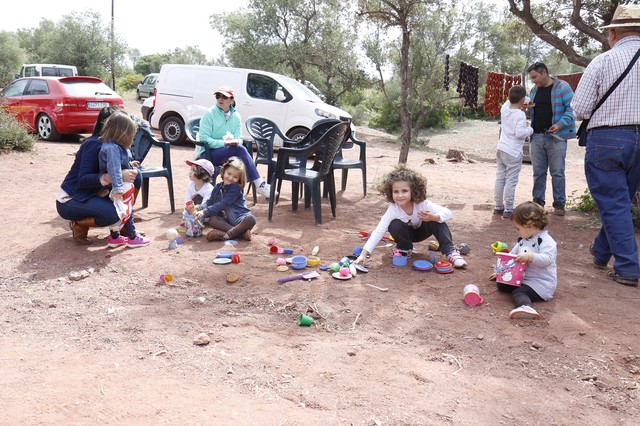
(192, 226)
(124, 205)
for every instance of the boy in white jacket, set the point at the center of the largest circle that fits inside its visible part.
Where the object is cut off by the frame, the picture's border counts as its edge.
(514, 131)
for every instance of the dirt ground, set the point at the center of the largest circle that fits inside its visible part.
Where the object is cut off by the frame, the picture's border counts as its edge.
(89, 336)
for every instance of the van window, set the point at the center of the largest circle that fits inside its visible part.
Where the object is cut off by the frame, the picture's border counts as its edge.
(65, 72)
(30, 72)
(264, 87)
(37, 87)
(55, 71)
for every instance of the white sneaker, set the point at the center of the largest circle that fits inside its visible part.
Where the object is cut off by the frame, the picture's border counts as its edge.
(455, 258)
(524, 312)
(265, 190)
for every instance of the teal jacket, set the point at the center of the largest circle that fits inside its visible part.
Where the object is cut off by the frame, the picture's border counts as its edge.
(561, 96)
(214, 125)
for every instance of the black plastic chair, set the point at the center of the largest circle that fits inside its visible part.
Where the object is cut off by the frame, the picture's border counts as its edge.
(264, 132)
(192, 127)
(142, 143)
(345, 164)
(324, 150)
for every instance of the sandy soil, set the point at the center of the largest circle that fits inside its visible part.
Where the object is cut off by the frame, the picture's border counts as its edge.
(89, 336)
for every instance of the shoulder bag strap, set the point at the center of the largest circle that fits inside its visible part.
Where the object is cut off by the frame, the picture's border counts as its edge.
(613, 87)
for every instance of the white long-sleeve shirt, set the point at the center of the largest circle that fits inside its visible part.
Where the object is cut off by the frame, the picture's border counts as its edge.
(394, 211)
(513, 130)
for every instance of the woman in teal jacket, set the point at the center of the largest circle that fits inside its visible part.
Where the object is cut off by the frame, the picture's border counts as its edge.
(220, 129)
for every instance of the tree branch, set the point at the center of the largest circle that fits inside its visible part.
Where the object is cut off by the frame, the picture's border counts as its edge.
(580, 25)
(541, 32)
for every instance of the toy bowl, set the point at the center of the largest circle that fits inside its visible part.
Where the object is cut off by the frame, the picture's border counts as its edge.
(299, 262)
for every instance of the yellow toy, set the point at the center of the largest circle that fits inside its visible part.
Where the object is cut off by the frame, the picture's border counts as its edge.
(500, 247)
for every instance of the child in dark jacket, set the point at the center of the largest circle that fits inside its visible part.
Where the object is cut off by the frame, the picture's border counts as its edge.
(226, 208)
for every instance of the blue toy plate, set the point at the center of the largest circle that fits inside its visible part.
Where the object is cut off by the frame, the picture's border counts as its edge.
(422, 265)
(226, 254)
(360, 268)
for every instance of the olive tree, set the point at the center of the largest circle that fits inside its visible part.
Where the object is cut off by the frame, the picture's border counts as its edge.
(571, 26)
(11, 57)
(80, 39)
(311, 40)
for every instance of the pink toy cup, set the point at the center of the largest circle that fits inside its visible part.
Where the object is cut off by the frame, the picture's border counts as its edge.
(471, 295)
(508, 271)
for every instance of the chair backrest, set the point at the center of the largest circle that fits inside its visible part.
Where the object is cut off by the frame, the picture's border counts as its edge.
(319, 128)
(142, 143)
(331, 142)
(263, 131)
(192, 127)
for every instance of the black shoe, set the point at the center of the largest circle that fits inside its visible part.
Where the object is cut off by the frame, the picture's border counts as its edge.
(498, 211)
(538, 201)
(598, 264)
(612, 275)
(558, 210)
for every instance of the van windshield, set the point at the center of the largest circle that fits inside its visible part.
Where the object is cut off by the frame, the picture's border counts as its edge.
(304, 90)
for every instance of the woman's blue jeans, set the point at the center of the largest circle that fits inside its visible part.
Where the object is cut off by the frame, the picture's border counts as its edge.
(218, 155)
(612, 168)
(547, 152)
(102, 209)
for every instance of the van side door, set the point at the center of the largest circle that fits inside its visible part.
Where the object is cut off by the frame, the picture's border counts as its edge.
(261, 99)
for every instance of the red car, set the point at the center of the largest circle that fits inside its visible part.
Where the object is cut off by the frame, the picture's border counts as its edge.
(53, 106)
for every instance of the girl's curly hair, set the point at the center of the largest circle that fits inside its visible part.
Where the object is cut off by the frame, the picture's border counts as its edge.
(530, 214)
(402, 173)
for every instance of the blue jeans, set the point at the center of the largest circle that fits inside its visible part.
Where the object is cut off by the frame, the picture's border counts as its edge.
(218, 155)
(101, 208)
(612, 168)
(547, 152)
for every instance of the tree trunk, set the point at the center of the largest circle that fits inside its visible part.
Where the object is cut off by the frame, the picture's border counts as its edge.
(405, 115)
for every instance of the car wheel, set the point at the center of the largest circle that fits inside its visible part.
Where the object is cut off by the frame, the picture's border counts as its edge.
(172, 130)
(138, 98)
(149, 115)
(46, 129)
(297, 133)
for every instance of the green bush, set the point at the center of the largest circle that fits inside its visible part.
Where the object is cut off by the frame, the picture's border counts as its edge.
(582, 203)
(13, 134)
(129, 82)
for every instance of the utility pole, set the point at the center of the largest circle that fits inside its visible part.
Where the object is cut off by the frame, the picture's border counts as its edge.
(113, 71)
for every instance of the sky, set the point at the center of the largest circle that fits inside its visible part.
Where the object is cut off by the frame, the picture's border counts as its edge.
(149, 26)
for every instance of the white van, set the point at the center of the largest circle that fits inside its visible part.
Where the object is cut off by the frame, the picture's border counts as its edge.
(184, 92)
(47, 70)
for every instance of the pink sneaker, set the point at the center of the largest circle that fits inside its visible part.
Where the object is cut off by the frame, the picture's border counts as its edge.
(117, 242)
(138, 241)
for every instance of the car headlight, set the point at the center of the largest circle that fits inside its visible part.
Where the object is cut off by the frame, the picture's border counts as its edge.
(325, 114)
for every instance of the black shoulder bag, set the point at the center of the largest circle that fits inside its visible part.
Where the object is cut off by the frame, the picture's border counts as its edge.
(582, 130)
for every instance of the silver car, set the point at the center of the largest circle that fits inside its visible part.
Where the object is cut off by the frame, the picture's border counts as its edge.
(147, 86)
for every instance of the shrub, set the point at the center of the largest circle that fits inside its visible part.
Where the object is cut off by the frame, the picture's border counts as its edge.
(129, 82)
(13, 134)
(583, 203)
